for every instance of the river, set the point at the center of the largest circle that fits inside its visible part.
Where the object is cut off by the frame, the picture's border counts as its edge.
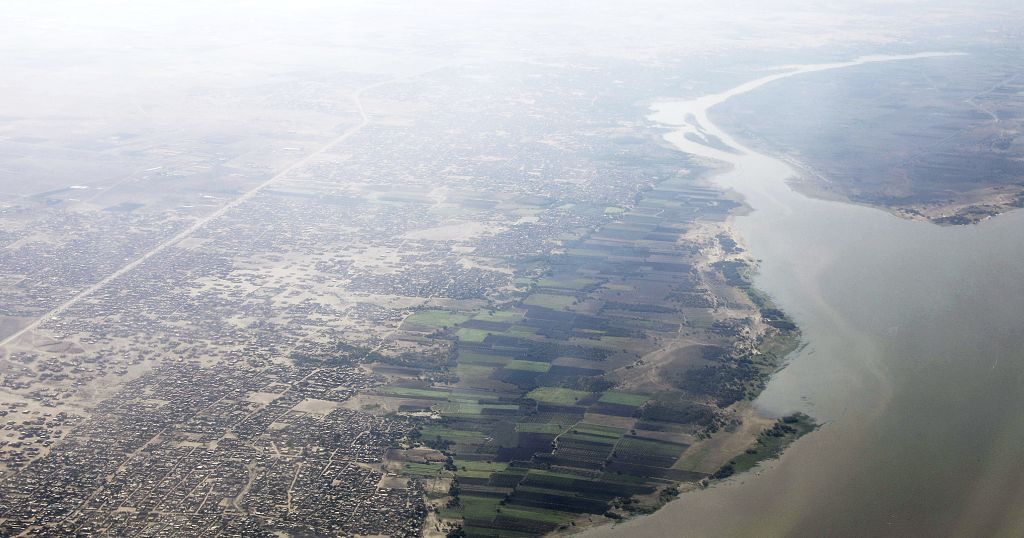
(914, 361)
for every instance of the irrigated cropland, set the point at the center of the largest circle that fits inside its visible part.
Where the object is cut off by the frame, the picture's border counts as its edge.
(361, 271)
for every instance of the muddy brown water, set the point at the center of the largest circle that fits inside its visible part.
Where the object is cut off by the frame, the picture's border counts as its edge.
(913, 361)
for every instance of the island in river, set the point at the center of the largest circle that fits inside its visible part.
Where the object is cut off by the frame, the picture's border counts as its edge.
(937, 141)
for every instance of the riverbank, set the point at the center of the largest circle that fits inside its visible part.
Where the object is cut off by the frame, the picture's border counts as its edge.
(961, 208)
(933, 139)
(885, 330)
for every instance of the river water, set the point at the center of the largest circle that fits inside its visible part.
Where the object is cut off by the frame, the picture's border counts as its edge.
(914, 362)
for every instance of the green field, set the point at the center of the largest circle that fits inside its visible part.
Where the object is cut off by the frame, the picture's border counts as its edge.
(500, 316)
(470, 465)
(618, 341)
(529, 366)
(525, 469)
(436, 318)
(624, 398)
(472, 408)
(557, 395)
(481, 508)
(521, 330)
(472, 335)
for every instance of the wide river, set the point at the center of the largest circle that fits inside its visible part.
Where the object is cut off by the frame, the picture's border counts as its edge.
(914, 362)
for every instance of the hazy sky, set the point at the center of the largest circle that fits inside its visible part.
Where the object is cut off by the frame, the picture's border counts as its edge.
(71, 58)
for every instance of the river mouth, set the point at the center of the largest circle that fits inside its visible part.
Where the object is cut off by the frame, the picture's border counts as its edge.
(914, 361)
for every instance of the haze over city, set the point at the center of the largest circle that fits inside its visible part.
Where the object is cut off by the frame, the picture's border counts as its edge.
(474, 268)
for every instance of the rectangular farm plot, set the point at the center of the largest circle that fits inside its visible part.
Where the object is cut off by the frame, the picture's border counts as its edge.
(574, 284)
(470, 408)
(546, 300)
(434, 432)
(500, 316)
(624, 398)
(528, 366)
(428, 394)
(423, 470)
(540, 427)
(557, 395)
(475, 336)
(433, 319)
(647, 457)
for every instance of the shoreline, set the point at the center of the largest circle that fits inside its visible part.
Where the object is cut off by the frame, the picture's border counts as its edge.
(966, 208)
(689, 123)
